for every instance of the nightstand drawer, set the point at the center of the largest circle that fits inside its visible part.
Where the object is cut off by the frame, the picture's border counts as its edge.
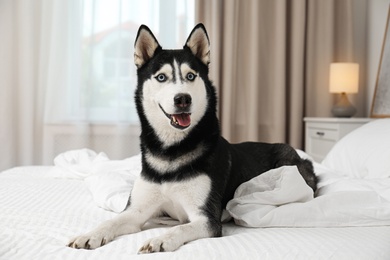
(323, 134)
(320, 141)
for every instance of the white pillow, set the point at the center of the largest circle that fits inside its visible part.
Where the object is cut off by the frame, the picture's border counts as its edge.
(363, 153)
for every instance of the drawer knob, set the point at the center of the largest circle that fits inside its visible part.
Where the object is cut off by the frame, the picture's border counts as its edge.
(320, 133)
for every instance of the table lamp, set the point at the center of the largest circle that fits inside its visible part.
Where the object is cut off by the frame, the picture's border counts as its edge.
(344, 78)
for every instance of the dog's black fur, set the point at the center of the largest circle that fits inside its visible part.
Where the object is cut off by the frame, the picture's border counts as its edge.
(228, 165)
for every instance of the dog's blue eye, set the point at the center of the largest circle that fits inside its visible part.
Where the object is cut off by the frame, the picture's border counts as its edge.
(161, 77)
(191, 76)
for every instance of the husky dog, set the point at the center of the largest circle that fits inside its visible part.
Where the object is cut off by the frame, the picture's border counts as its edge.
(189, 171)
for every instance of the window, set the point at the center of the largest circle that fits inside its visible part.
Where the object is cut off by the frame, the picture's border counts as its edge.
(107, 72)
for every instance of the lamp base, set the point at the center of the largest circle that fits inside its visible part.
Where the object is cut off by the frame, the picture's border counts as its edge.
(343, 108)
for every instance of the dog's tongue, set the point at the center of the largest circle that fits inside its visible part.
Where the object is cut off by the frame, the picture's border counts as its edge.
(183, 119)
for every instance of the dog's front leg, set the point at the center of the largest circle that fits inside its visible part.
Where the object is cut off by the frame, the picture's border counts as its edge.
(125, 223)
(178, 236)
(145, 202)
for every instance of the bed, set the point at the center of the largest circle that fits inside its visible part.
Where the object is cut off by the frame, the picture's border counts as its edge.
(274, 217)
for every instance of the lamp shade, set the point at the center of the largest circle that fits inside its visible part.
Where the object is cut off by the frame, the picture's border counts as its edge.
(344, 77)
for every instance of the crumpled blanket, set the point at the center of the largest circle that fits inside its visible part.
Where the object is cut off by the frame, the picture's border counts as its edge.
(255, 199)
(280, 198)
(109, 181)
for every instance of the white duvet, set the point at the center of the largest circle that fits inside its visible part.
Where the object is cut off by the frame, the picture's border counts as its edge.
(341, 202)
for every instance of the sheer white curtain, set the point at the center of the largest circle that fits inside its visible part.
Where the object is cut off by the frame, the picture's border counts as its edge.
(22, 94)
(95, 45)
(67, 68)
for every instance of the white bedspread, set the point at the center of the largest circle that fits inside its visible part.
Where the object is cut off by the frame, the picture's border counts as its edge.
(39, 214)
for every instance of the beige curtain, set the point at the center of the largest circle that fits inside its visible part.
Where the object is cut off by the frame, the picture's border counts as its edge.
(270, 63)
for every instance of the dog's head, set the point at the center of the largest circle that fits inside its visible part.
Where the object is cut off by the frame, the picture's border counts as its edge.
(172, 92)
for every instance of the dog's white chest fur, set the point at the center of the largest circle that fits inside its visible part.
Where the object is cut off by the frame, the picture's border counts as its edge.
(181, 200)
(165, 166)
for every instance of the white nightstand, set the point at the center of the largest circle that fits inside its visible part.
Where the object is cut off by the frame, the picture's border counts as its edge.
(321, 133)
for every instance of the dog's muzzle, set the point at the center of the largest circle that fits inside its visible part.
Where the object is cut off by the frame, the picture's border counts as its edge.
(182, 119)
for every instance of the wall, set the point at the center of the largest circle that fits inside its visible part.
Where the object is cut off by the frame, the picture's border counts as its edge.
(377, 11)
(360, 55)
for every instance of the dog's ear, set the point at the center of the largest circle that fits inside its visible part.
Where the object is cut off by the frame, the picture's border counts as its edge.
(145, 46)
(199, 44)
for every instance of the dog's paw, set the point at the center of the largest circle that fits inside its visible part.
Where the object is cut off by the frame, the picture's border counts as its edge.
(91, 240)
(159, 244)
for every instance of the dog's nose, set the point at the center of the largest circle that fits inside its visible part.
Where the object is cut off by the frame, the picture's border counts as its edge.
(182, 100)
